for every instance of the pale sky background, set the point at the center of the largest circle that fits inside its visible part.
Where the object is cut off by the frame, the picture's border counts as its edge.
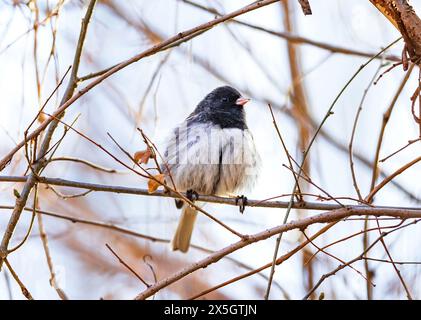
(179, 86)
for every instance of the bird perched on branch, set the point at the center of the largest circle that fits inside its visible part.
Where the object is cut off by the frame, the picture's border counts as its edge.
(211, 153)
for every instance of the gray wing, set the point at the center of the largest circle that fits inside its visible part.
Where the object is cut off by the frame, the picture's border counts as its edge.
(192, 158)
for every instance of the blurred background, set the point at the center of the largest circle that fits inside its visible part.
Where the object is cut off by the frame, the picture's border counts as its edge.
(300, 80)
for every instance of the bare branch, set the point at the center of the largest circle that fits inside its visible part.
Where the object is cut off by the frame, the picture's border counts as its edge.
(201, 198)
(301, 224)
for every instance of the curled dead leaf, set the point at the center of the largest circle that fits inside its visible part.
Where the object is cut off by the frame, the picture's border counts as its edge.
(42, 117)
(143, 156)
(153, 185)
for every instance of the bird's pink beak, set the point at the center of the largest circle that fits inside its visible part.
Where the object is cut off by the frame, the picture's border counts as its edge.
(241, 101)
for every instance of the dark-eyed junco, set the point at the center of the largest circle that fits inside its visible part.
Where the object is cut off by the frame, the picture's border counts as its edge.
(212, 153)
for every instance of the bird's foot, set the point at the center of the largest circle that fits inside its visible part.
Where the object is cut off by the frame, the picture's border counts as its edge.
(241, 202)
(192, 195)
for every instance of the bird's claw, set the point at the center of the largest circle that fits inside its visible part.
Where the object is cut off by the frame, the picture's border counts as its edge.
(192, 195)
(241, 202)
(179, 203)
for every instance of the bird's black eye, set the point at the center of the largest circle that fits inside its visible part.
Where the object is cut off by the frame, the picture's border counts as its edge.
(225, 99)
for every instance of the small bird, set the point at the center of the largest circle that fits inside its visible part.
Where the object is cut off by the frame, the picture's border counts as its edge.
(211, 153)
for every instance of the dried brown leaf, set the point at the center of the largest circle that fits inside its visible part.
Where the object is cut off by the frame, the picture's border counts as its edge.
(42, 117)
(154, 184)
(143, 156)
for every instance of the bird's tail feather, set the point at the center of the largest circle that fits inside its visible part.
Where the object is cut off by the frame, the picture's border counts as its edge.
(181, 240)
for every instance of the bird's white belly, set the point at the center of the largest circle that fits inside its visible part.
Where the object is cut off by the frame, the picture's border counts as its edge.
(214, 160)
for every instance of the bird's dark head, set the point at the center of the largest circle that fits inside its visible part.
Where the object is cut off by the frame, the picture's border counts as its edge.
(225, 98)
(224, 106)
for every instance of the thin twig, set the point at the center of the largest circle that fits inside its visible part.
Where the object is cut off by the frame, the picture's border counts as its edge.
(400, 149)
(23, 288)
(299, 195)
(386, 180)
(354, 128)
(44, 240)
(396, 262)
(85, 162)
(333, 256)
(127, 266)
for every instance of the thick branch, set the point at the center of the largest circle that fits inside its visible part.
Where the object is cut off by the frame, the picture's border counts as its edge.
(301, 224)
(404, 18)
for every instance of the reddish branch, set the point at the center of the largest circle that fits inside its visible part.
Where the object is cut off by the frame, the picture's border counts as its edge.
(403, 17)
(301, 224)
